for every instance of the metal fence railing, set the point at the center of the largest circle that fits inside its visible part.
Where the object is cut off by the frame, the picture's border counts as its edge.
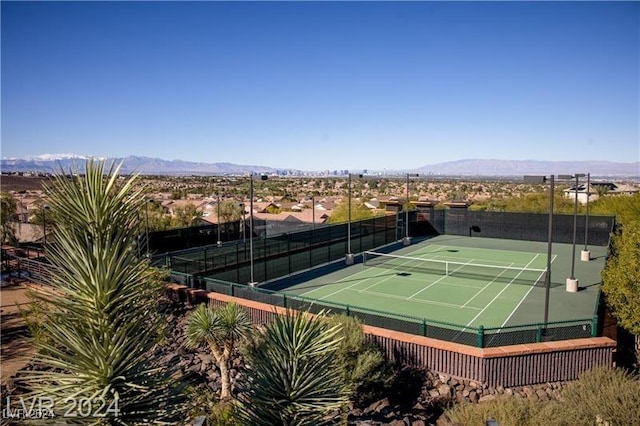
(283, 254)
(473, 336)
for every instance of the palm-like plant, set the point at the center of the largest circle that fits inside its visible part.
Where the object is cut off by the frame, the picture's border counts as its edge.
(293, 378)
(102, 327)
(221, 330)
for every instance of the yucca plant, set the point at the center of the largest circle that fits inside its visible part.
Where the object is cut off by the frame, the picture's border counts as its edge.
(292, 374)
(220, 330)
(102, 328)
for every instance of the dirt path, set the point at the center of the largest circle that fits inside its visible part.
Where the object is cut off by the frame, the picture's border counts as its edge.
(16, 346)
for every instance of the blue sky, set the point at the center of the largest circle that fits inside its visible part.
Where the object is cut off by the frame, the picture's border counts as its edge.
(322, 85)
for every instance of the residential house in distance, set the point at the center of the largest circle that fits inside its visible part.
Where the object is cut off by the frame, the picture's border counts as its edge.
(598, 189)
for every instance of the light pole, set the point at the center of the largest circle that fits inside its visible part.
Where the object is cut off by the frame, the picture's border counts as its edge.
(585, 255)
(572, 282)
(219, 243)
(407, 238)
(349, 255)
(252, 281)
(547, 279)
(313, 210)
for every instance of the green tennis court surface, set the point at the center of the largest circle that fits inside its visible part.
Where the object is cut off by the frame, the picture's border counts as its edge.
(466, 281)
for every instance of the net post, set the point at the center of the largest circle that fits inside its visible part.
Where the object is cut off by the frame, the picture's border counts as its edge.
(594, 326)
(233, 289)
(424, 327)
(539, 333)
(348, 312)
(284, 300)
(481, 336)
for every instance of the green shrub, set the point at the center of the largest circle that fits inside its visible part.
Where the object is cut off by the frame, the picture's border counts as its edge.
(600, 397)
(360, 362)
(507, 411)
(604, 396)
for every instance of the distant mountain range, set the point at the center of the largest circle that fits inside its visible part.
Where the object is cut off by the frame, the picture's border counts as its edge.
(50, 163)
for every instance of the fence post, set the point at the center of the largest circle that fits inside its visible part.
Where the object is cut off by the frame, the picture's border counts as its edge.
(348, 312)
(424, 327)
(233, 289)
(284, 300)
(539, 334)
(594, 326)
(481, 336)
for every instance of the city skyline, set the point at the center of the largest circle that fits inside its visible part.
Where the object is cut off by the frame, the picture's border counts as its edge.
(352, 85)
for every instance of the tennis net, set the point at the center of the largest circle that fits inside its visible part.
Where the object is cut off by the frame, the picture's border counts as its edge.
(404, 265)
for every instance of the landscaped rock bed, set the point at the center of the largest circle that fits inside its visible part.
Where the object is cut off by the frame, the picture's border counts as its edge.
(416, 397)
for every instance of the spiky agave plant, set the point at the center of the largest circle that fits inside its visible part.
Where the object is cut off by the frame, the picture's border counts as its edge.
(292, 376)
(102, 327)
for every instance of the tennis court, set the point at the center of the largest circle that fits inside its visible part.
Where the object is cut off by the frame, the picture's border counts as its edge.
(466, 281)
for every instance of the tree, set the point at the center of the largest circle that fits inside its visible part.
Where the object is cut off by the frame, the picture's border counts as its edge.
(341, 213)
(186, 216)
(292, 374)
(621, 276)
(221, 330)
(102, 328)
(230, 211)
(8, 209)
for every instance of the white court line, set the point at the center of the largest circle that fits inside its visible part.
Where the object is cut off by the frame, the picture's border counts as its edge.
(426, 302)
(348, 278)
(485, 287)
(436, 281)
(523, 298)
(384, 279)
(337, 282)
(498, 295)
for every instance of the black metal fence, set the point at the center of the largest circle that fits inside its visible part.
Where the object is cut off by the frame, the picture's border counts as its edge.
(467, 335)
(516, 226)
(283, 254)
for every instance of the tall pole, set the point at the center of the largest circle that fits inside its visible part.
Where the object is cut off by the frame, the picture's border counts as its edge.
(313, 210)
(406, 215)
(218, 214)
(252, 282)
(407, 238)
(547, 281)
(585, 255)
(349, 259)
(575, 222)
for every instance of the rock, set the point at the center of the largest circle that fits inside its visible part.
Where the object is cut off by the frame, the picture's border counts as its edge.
(205, 358)
(487, 398)
(418, 422)
(473, 396)
(434, 393)
(444, 390)
(542, 394)
(377, 406)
